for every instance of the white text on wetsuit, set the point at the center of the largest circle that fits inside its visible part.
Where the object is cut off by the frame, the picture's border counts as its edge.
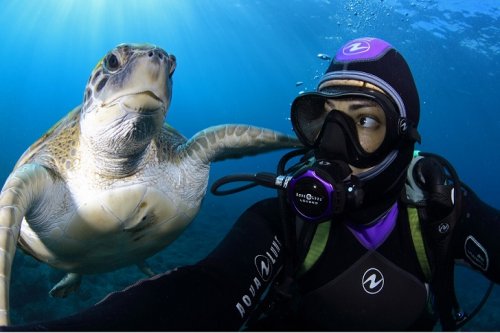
(264, 264)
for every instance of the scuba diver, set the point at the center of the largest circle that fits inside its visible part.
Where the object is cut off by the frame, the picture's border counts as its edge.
(363, 235)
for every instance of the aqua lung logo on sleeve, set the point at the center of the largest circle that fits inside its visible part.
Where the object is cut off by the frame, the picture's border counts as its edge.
(264, 266)
(476, 253)
(372, 281)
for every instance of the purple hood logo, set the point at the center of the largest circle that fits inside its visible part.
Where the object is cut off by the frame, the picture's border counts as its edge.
(356, 48)
(363, 49)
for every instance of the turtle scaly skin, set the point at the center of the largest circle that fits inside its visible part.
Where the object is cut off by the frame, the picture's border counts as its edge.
(111, 184)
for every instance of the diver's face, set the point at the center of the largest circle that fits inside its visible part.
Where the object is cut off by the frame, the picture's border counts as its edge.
(369, 118)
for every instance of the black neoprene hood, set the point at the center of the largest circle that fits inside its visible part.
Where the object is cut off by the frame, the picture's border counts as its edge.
(374, 62)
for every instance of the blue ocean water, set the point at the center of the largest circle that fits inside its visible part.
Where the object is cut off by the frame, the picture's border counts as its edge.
(239, 62)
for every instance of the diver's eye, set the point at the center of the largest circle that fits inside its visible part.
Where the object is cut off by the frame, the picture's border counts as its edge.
(368, 122)
(112, 63)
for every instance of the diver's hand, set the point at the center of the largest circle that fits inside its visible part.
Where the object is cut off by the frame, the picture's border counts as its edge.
(431, 177)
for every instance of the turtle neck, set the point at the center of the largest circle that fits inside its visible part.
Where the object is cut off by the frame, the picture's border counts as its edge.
(373, 235)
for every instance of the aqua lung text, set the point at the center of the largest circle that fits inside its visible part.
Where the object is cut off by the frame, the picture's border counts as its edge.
(264, 265)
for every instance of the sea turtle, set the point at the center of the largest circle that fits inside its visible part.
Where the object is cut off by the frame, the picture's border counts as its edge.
(111, 184)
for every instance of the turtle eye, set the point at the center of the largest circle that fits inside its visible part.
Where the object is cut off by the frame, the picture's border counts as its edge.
(112, 63)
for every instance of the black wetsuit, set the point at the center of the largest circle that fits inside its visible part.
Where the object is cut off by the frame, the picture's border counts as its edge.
(221, 291)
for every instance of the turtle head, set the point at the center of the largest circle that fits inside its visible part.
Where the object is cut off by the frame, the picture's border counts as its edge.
(127, 98)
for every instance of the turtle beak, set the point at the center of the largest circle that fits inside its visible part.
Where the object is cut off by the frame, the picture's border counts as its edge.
(145, 102)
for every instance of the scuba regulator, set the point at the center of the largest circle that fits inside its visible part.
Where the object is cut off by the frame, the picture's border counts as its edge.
(316, 190)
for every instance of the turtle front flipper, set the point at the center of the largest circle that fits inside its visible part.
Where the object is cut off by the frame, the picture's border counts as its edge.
(20, 193)
(69, 283)
(218, 143)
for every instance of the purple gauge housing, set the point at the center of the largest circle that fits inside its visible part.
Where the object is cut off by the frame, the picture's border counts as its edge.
(311, 196)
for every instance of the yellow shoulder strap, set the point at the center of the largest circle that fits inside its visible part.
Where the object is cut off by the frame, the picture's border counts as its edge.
(418, 242)
(317, 247)
(320, 238)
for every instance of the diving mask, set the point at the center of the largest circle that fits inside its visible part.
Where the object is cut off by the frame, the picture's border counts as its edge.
(333, 133)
